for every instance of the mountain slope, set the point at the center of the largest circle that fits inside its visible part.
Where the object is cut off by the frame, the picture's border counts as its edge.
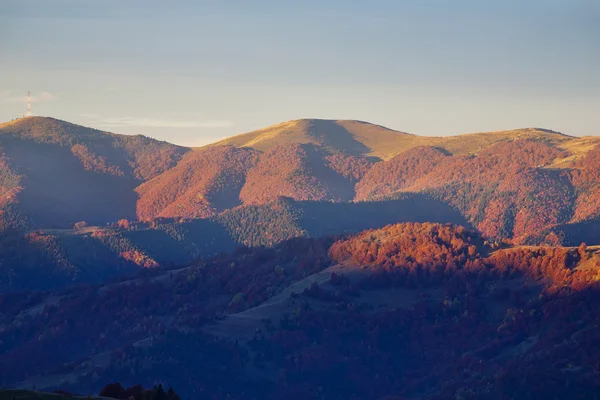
(298, 171)
(202, 184)
(350, 137)
(363, 139)
(53, 173)
(213, 179)
(506, 191)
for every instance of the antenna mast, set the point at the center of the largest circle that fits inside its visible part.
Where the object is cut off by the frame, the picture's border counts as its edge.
(28, 113)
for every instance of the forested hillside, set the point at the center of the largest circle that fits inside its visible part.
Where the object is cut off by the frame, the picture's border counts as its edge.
(298, 171)
(58, 258)
(203, 184)
(110, 391)
(417, 310)
(54, 174)
(151, 204)
(504, 190)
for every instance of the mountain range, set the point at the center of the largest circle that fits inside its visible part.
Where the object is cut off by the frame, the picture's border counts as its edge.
(132, 193)
(55, 173)
(311, 259)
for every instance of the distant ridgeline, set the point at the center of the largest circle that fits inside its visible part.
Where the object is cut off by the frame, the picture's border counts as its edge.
(140, 203)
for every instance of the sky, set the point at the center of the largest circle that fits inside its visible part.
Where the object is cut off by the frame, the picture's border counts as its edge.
(192, 72)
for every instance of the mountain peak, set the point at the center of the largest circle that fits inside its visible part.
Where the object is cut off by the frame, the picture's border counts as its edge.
(48, 129)
(28, 121)
(356, 138)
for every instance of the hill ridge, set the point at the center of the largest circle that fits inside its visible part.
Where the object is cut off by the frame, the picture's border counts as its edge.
(24, 121)
(257, 136)
(365, 139)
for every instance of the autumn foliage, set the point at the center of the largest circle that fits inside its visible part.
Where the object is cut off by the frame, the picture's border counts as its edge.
(408, 245)
(388, 177)
(300, 172)
(586, 180)
(499, 316)
(503, 190)
(204, 183)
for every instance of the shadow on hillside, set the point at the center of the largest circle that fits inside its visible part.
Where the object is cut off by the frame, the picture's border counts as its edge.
(272, 223)
(323, 218)
(339, 187)
(174, 244)
(442, 150)
(58, 191)
(574, 234)
(43, 261)
(333, 136)
(229, 196)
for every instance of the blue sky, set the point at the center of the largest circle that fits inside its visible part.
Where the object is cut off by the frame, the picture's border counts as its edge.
(192, 72)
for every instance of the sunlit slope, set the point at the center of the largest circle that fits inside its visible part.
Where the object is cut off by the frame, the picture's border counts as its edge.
(364, 139)
(578, 148)
(351, 137)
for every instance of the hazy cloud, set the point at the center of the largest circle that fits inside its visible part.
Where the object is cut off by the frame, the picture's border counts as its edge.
(8, 96)
(43, 96)
(121, 122)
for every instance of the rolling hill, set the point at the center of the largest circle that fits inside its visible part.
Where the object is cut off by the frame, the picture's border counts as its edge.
(357, 138)
(213, 179)
(53, 173)
(333, 160)
(298, 171)
(110, 391)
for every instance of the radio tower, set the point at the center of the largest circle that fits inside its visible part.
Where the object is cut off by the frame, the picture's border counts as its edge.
(28, 113)
(28, 104)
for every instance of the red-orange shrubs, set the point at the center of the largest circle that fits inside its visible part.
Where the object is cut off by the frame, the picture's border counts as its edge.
(123, 224)
(412, 246)
(586, 179)
(139, 258)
